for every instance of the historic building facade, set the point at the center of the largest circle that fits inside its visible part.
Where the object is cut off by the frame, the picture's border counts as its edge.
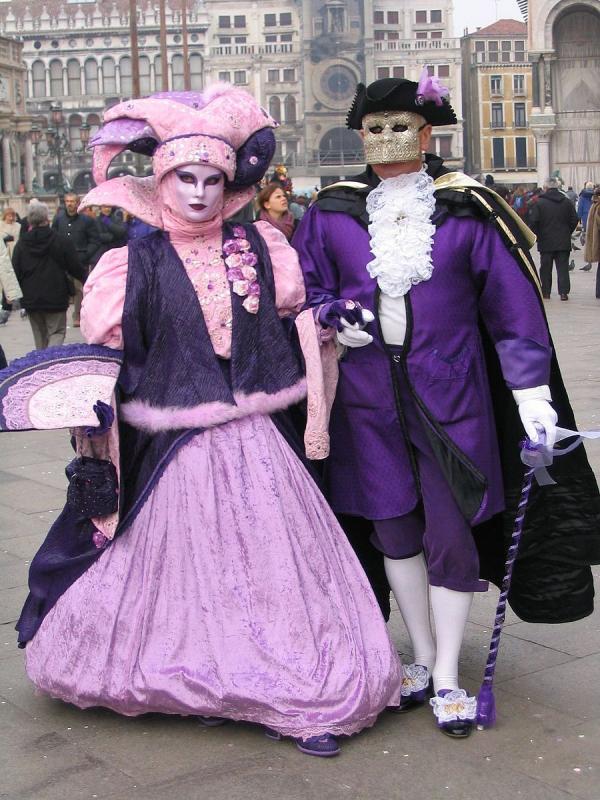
(564, 48)
(78, 55)
(300, 58)
(498, 92)
(16, 164)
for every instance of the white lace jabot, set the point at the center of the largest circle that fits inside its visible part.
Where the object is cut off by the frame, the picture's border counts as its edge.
(400, 211)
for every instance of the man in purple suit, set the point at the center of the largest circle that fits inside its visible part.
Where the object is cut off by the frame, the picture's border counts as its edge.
(426, 278)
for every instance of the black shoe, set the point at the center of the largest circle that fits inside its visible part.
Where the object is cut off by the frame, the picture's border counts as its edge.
(585, 268)
(564, 297)
(455, 712)
(546, 296)
(571, 266)
(417, 687)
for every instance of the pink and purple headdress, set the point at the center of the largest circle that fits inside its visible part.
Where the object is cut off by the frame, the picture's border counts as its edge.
(223, 126)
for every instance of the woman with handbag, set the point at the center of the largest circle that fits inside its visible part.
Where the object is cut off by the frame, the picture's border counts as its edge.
(45, 265)
(225, 588)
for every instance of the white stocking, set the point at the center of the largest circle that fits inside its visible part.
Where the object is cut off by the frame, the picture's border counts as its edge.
(450, 614)
(409, 583)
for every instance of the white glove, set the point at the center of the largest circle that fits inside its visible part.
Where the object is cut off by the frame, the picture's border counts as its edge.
(537, 415)
(353, 335)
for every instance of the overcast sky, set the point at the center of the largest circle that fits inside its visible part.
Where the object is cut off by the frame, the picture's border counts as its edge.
(472, 14)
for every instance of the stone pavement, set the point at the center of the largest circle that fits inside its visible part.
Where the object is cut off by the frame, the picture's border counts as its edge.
(545, 746)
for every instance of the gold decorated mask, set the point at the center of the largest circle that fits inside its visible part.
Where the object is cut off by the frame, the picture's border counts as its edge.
(392, 136)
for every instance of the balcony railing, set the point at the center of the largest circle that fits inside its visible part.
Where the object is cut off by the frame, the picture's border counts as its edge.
(514, 165)
(497, 124)
(500, 57)
(279, 48)
(394, 45)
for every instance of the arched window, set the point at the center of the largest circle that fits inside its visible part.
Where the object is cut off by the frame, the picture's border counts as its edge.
(109, 75)
(290, 109)
(93, 120)
(75, 132)
(145, 85)
(74, 78)
(275, 108)
(126, 80)
(38, 77)
(92, 86)
(157, 74)
(57, 88)
(196, 72)
(178, 84)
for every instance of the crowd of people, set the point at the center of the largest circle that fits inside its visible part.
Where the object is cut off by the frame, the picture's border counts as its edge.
(44, 262)
(565, 221)
(206, 563)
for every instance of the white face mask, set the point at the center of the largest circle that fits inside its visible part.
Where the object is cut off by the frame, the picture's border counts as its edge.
(197, 190)
(392, 136)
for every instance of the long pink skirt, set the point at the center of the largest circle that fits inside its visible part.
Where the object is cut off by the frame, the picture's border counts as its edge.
(234, 594)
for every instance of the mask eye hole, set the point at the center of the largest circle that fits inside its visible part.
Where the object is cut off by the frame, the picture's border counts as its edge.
(400, 128)
(213, 180)
(376, 129)
(186, 177)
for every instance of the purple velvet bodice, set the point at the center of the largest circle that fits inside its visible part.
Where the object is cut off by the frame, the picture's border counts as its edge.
(169, 358)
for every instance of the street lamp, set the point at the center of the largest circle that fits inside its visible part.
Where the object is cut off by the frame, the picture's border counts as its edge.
(56, 143)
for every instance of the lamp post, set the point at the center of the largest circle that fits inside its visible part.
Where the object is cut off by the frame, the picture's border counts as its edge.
(56, 142)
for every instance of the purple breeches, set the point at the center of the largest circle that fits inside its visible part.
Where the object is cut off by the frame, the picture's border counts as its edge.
(436, 526)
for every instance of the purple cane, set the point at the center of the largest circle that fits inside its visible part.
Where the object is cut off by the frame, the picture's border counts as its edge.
(486, 702)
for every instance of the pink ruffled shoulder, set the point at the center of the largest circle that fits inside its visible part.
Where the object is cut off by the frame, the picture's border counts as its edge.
(290, 294)
(104, 298)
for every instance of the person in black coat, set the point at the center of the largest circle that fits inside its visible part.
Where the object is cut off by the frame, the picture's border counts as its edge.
(83, 233)
(553, 219)
(111, 230)
(45, 265)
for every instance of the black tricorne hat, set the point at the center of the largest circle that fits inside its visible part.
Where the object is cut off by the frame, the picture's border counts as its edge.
(397, 94)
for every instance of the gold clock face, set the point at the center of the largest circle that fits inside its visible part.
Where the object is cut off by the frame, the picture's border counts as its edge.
(338, 82)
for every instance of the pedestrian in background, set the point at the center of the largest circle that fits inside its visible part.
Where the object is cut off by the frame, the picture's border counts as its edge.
(9, 226)
(9, 233)
(553, 219)
(273, 208)
(592, 242)
(83, 233)
(136, 228)
(45, 265)
(9, 285)
(583, 209)
(572, 195)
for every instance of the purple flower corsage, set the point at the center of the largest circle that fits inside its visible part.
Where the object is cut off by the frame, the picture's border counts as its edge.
(241, 263)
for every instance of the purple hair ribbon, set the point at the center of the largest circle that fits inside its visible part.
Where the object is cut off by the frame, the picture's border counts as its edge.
(430, 89)
(537, 457)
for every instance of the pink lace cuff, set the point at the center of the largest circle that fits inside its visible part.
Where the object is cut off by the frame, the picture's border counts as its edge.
(321, 378)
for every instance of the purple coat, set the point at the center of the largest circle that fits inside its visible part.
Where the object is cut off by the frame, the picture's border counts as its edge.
(475, 279)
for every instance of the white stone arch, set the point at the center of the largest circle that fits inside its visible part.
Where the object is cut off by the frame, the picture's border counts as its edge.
(551, 11)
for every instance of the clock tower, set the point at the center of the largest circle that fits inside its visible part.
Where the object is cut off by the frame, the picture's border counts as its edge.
(337, 45)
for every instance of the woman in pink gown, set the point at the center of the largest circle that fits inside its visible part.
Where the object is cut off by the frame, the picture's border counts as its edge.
(229, 591)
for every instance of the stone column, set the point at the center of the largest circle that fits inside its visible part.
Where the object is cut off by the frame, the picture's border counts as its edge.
(547, 85)
(535, 84)
(29, 170)
(543, 156)
(7, 165)
(18, 167)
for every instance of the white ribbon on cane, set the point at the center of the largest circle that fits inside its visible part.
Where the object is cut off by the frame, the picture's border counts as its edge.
(539, 456)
